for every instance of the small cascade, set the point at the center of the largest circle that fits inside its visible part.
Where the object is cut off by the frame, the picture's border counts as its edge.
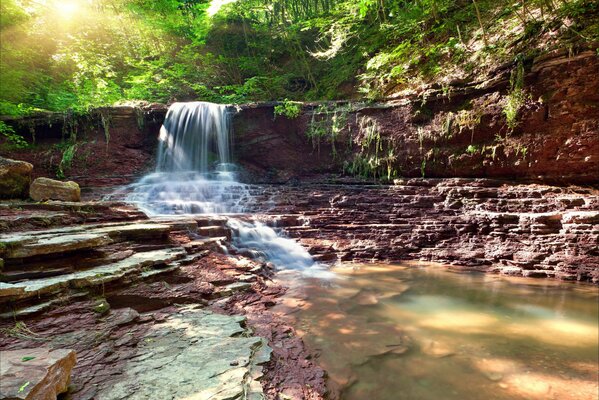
(195, 175)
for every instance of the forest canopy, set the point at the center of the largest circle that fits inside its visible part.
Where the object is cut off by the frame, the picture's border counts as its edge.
(79, 54)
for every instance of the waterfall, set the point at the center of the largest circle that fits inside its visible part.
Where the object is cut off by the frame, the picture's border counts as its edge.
(195, 175)
(192, 135)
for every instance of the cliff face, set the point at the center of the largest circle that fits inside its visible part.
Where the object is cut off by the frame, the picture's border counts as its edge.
(110, 146)
(541, 125)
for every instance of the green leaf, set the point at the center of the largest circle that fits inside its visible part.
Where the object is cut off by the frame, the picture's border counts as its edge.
(22, 388)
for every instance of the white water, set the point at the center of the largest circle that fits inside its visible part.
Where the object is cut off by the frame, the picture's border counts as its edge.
(194, 175)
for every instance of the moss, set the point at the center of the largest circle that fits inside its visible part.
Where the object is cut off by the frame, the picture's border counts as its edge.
(101, 306)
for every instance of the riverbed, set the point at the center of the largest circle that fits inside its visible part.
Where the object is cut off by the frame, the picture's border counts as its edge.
(422, 331)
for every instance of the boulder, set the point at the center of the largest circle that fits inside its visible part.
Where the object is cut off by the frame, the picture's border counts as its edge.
(43, 189)
(15, 177)
(40, 373)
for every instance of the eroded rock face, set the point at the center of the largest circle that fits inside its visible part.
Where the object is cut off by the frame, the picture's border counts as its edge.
(15, 177)
(483, 224)
(35, 374)
(461, 134)
(43, 189)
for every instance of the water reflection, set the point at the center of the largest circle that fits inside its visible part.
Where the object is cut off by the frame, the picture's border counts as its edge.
(406, 332)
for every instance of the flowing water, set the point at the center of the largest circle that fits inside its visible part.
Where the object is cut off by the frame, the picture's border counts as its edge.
(195, 175)
(386, 332)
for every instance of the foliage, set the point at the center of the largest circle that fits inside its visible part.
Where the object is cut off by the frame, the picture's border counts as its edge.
(14, 139)
(328, 120)
(516, 96)
(110, 51)
(289, 109)
(68, 154)
(376, 156)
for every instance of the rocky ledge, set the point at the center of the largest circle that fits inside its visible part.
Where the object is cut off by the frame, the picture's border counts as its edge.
(143, 302)
(491, 225)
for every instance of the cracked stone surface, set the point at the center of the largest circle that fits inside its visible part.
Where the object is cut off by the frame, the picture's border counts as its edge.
(194, 354)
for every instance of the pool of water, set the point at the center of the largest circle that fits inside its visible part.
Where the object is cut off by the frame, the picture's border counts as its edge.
(425, 332)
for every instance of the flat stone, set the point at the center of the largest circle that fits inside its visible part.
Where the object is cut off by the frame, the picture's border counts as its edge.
(235, 287)
(194, 354)
(35, 374)
(43, 189)
(56, 244)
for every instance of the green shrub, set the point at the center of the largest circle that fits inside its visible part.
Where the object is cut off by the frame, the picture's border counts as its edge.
(288, 109)
(14, 139)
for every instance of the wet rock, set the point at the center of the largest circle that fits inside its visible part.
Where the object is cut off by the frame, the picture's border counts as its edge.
(43, 189)
(35, 374)
(366, 298)
(437, 349)
(15, 177)
(194, 353)
(494, 376)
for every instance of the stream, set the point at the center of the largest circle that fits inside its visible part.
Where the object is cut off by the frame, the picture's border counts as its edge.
(415, 331)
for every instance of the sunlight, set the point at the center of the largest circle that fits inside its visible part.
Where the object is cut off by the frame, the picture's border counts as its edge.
(68, 9)
(215, 6)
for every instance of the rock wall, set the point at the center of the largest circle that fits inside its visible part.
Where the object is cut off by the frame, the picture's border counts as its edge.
(458, 131)
(109, 146)
(490, 225)
(461, 130)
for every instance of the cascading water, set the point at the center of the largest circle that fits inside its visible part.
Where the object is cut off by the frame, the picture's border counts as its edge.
(194, 175)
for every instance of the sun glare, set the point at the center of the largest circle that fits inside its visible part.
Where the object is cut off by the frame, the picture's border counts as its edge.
(67, 9)
(215, 6)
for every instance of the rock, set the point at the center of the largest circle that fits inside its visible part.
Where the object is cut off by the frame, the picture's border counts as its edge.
(437, 349)
(99, 275)
(36, 374)
(43, 189)
(15, 177)
(194, 354)
(366, 298)
(494, 376)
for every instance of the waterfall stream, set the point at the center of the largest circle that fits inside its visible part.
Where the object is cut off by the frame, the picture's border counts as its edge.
(194, 175)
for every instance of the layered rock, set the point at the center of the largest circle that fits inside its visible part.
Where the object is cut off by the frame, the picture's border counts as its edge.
(528, 230)
(43, 189)
(35, 374)
(461, 131)
(15, 177)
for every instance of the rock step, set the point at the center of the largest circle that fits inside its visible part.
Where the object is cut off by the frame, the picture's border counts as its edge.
(134, 264)
(40, 373)
(60, 241)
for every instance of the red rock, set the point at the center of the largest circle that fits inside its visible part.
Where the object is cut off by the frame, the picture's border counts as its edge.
(35, 374)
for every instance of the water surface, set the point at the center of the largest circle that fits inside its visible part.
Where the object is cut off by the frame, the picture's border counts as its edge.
(413, 332)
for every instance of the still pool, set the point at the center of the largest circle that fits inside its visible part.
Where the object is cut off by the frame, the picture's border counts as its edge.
(417, 331)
